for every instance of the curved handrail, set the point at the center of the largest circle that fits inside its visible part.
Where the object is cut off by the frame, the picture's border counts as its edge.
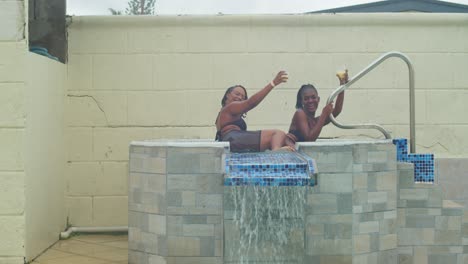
(375, 126)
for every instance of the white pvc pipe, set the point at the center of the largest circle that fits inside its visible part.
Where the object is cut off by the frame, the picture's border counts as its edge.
(103, 229)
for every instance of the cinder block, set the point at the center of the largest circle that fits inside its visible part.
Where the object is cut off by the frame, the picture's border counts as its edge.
(144, 108)
(97, 109)
(113, 143)
(168, 68)
(459, 60)
(80, 144)
(12, 104)
(12, 17)
(197, 113)
(11, 260)
(80, 68)
(82, 178)
(104, 217)
(80, 211)
(92, 41)
(85, 110)
(161, 39)
(12, 192)
(113, 180)
(13, 230)
(11, 152)
(13, 56)
(456, 98)
(266, 39)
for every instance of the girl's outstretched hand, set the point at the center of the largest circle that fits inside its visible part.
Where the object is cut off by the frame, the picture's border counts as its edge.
(342, 76)
(281, 77)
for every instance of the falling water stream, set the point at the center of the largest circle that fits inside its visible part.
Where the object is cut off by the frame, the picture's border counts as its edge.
(267, 224)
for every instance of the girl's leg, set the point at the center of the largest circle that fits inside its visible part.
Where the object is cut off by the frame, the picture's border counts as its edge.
(273, 139)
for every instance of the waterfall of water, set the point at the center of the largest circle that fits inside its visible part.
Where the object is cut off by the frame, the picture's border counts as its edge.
(267, 224)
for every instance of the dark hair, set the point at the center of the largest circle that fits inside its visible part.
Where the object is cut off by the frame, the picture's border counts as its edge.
(223, 101)
(299, 94)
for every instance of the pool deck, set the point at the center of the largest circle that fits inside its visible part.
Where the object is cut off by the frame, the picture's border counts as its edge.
(87, 249)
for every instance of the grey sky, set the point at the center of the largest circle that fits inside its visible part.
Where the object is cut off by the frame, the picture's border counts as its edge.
(163, 7)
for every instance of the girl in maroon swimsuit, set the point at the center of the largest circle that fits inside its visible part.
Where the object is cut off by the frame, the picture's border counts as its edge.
(231, 126)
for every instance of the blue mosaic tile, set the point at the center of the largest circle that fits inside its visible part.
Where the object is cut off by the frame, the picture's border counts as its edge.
(269, 169)
(423, 167)
(423, 163)
(402, 148)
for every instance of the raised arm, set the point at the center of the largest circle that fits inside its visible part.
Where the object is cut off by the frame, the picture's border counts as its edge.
(247, 105)
(343, 77)
(311, 133)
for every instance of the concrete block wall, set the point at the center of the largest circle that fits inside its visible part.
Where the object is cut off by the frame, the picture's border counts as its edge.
(32, 211)
(351, 213)
(12, 18)
(12, 129)
(132, 78)
(429, 228)
(176, 204)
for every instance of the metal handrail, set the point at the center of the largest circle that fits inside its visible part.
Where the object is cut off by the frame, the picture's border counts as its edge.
(375, 126)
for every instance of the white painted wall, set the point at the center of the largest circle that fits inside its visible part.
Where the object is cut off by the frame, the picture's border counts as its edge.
(32, 153)
(12, 20)
(12, 156)
(132, 78)
(45, 157)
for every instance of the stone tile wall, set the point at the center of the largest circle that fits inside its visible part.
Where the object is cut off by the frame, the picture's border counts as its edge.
(429, 229)
(175, 205)
(351, 213)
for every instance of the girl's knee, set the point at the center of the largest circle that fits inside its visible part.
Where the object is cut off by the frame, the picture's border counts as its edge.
(280, 132)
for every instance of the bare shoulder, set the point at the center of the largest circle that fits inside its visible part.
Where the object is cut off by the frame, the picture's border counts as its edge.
(300, 114)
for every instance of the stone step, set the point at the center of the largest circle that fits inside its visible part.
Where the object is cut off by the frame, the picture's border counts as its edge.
(416, 195)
